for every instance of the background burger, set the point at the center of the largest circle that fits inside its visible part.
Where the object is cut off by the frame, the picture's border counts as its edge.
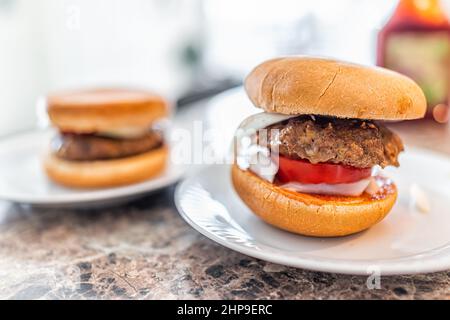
(107, 137)
(321, 144)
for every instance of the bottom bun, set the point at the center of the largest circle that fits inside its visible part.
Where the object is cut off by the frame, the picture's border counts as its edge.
(313, 215)
(106, 173)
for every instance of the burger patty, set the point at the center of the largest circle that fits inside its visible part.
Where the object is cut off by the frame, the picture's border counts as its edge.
(77, 147)
(352, 142)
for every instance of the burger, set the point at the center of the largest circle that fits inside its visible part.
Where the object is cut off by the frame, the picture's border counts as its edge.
(106, 137)
(311, 163)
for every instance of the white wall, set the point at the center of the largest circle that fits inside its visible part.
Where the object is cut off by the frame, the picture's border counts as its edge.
(21, 65)
(115, 41)
(49, 45)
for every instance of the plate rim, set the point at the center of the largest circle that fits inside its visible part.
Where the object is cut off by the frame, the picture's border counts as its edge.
(317, 264)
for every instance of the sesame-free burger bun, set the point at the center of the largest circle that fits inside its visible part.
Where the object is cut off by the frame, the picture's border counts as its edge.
(317, 86)
(97, 110)
(309, 214)
(106, 173)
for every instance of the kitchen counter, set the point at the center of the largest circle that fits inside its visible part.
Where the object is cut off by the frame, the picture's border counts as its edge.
(144, 250)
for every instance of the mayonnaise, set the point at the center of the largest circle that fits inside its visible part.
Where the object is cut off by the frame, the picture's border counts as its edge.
(125, 132)
(344, 189)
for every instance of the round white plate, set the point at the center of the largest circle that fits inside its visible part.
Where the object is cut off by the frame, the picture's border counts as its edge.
(408, 241)
(23, 181)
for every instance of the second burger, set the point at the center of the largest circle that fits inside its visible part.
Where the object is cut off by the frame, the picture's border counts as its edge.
(106, 138)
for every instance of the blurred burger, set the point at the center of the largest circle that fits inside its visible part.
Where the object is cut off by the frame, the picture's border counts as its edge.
(106, 138)
(309, 163)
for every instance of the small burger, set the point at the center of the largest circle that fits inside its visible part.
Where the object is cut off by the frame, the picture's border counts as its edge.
(311, 162)
(106, 137)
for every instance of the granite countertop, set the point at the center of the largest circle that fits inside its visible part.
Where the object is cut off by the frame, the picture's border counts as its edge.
(144, 250)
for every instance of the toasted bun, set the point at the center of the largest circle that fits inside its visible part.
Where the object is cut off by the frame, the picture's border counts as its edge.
(311, 215)
(99, 110)
(305, 85)
(106, 173)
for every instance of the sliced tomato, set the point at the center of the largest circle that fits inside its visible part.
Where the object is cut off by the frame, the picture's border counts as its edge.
(306, 172)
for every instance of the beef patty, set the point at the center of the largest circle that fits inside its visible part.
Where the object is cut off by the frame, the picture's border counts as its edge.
(77, 147)
(352, 142)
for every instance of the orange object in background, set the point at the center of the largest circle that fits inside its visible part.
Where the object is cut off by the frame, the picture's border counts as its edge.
(416, 42)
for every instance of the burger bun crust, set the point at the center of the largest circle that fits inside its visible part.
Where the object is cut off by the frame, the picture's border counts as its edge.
(98, 110)
(318, 86)
(106, 173)
(310, 215)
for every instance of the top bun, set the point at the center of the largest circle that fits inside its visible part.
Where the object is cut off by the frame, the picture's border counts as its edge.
(96, 110)
(306, 85)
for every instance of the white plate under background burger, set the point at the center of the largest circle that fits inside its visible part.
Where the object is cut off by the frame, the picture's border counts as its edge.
(23, 180)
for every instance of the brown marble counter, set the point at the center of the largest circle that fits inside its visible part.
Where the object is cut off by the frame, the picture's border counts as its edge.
(144, 250)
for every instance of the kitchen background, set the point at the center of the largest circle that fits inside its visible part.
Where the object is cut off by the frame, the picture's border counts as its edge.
(182, 48)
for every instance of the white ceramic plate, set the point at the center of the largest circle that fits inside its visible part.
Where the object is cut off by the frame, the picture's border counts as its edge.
(23, 181)
(406, 242)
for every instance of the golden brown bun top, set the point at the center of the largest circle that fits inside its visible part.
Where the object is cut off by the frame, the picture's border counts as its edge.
(307, 85)
(103, 109)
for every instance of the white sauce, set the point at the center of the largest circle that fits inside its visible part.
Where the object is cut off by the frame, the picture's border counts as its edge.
(250, 155)
(263, 120)
(344, 189)
(125, 133)
(373, 187)
(419, 198)
(257, 159)
(135, 131)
